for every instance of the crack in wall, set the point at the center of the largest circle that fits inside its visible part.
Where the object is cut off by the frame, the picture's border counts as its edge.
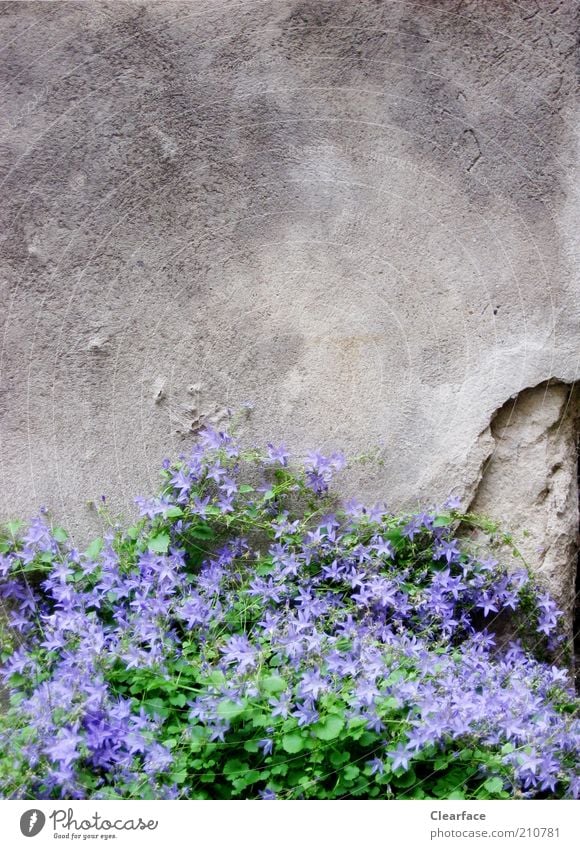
(528, 483)
(576, 615)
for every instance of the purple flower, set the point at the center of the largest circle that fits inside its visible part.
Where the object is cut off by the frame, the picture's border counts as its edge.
(449, 550)
(200, 506)
(229, 486)
(320, 470)
(278, 454)
(239, 640)
(377, 766)
(412, 528)
(267, 794)
(182, 483)
(266, 745)
(226, 504)
(383, 547)
(400, 758)
(306, 714)
(157, 759)
(312, 684)
(240, 651)
(64, 749)
(6, 564)
(216, 472)
(488, 602)
(281, 706)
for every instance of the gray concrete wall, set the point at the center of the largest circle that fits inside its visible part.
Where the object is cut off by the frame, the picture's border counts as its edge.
(361, 216)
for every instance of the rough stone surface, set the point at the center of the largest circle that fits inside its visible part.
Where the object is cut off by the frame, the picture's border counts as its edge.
(530, 483)
(361, 216)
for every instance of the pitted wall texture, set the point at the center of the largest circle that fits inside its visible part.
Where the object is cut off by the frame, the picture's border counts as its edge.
(359, 216)
(529, 485)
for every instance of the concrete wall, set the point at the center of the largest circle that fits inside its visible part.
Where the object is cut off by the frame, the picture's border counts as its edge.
(361, 216)
(529, 484)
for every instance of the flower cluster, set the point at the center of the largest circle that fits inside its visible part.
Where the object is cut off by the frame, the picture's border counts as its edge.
(250, 637)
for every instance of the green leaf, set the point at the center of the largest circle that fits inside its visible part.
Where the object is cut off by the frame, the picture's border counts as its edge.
(274, 684)
(395, 676)
(338, 759)
(328, 728)
(249, 776)
(14, 526)
(159, 543)
(156, 706)
(179, 700)
(59, 534)
(196, 741)
(173, 512)
(269, 495)
(94, 548)
(293, 743)
(442, 520)
(494, 785)
(246, 488)
(235, 767)
(405, 780)
(201, 531)
(390, 703)
(367, 738)
(279, 769)
(229, 709)
(350, 772)
(259, 718)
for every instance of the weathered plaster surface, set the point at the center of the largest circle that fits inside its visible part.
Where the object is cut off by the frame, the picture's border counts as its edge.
(530, 483)
(361, 216)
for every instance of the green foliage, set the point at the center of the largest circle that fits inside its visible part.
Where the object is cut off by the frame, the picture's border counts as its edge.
(264, 640)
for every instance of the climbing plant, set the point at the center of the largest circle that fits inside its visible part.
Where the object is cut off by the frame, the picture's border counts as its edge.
(251, 636)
